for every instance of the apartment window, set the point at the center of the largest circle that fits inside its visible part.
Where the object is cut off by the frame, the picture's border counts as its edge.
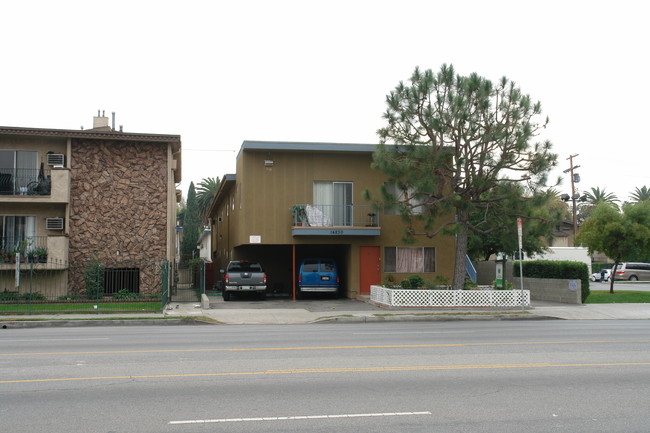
(409, 259)
(116, 279)
(403, 195)
(15, 230)
(18, 168)
(334, 199)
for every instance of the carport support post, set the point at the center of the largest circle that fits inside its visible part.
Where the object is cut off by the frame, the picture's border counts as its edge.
(293, 271)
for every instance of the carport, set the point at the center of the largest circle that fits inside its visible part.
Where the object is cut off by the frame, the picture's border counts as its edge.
(280, 262)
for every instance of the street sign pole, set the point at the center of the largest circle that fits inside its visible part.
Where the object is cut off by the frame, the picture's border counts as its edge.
(521, 258)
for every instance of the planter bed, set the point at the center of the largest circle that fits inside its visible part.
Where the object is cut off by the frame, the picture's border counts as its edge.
(448, 298)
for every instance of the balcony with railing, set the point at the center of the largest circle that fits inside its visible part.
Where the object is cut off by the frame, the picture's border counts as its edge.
(25, 184)
(334, 220)
(24, 181)
(50, 251)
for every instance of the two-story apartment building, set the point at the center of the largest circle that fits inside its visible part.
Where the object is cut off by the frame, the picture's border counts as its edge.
(77, 195)
(289, 201)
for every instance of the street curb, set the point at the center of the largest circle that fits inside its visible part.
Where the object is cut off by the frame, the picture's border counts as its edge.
(430, 318)
(18, 324)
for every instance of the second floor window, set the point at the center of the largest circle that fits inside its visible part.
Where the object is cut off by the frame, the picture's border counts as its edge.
(18, 168)
(404, 196)
(334, 199)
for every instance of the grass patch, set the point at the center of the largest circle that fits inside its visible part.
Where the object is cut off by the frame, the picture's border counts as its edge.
(81, 308)
(618, 297)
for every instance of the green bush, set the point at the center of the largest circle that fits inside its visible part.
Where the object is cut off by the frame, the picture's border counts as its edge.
(15, 296)
(125, 294)
(9, 296)
(412, 282)
(557, 269)
(94, 279)
(507, 285)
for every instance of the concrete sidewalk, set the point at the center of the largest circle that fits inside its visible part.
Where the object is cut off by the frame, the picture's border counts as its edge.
(346, 310)
(285, 311)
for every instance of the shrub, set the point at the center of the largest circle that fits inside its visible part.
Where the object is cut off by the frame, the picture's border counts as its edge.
(94, 279)
(15, 296)
(125, 294)
(557, 269)
(9, 296)
(507, 285)
(412, 282)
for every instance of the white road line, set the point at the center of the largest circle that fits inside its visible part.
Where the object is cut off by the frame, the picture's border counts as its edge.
(302, 417)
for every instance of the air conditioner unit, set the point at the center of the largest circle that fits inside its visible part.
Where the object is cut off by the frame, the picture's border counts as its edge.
(54, 223)
(56, 159)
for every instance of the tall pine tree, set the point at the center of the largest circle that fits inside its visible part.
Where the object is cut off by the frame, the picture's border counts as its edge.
(458, 140)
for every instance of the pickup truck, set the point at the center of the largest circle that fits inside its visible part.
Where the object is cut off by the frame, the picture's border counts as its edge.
(242, 276)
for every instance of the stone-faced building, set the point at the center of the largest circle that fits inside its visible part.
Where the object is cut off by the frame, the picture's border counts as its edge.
(90, 194)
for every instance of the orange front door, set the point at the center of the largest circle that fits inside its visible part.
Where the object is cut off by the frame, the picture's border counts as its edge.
(370, 273)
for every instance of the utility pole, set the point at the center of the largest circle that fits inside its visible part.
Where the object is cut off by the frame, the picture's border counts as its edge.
(573, 194)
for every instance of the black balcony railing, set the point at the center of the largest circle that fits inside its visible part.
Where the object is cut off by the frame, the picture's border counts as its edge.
(29, 247)
(24, 181)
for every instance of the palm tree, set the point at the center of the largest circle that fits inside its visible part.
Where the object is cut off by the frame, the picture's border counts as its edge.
(640, 194)
(597, 196)
(205, 192)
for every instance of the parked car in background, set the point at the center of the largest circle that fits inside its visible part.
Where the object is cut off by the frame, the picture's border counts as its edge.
(632, 271)
(242, 276)
(318, 276)
(602, 275)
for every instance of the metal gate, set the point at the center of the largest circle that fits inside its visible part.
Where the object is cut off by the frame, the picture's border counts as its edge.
(189, 281)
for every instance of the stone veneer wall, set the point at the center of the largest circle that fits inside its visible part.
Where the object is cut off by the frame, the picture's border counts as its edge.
(118, 202)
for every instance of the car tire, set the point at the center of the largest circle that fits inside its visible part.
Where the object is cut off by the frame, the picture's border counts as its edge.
(226, 296)
(634, 278)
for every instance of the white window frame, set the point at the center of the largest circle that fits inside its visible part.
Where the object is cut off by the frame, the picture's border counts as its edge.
(409, 260)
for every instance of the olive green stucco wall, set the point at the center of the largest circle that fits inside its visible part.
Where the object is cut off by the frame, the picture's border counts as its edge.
(263, 196)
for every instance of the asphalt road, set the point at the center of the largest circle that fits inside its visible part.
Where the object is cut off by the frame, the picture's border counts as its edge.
(533, 376)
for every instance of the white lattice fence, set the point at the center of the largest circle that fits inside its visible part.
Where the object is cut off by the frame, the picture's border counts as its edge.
(448, 298)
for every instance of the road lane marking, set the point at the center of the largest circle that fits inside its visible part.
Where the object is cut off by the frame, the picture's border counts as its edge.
(335, 370)
(299, 417)
(271, 349)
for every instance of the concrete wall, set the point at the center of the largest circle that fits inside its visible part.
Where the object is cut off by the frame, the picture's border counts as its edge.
(541, 289)
(554, 290)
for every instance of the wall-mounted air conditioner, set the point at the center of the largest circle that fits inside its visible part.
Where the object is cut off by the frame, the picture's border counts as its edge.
(56, 159)
(54, 223)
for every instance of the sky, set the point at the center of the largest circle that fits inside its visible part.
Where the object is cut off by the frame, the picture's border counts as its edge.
(221, 72)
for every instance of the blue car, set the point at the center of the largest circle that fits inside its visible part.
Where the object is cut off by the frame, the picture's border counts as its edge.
(318, 276)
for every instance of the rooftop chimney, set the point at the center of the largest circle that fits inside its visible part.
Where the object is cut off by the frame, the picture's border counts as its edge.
(101, 122)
